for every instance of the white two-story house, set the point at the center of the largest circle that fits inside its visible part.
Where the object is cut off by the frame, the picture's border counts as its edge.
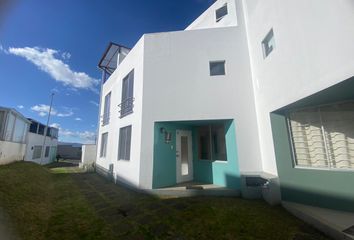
(250, 87)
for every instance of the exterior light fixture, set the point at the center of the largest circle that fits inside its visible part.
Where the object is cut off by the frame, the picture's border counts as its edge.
(168, 135)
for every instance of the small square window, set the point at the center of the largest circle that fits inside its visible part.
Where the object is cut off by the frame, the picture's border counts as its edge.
(221, 12)
(268, 44)
(217, 68)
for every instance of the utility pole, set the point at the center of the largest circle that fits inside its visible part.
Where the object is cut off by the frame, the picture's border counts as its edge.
(46, 128)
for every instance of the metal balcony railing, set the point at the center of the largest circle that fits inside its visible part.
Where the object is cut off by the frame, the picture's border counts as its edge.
(105, 118)
(126, 107)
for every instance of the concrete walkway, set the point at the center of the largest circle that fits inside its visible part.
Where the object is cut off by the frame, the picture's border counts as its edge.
(337, 224)
(7, 231)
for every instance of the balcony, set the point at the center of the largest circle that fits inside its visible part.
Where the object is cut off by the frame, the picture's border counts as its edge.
(105, 118)
(126, 107)
(111, 59)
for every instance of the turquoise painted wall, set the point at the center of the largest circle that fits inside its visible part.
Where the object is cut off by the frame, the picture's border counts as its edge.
(323, 188)
(164, 164)
(221, 173)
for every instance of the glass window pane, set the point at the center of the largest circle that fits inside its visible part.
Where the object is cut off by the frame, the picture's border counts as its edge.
(37, 152)
(33, 127)
(221, 12)
(124, 143)
(20, 130)
(204, 143)
(127, 94)
(217, 68)
(2, 123)
(184, 155)
(104, 145)
(41, 129)
(268, 44)
(9, 127)
(106, 109)
(307, 138)
(46, 151)
(218, 142)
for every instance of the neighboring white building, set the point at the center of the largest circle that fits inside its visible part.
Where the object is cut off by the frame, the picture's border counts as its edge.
(249, 88)
(13, 133)
(35, 140)
(88, 157)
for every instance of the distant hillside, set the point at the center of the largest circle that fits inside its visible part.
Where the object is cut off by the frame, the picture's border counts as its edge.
(69, 143)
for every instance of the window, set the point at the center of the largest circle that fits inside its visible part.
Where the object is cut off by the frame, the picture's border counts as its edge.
(37, 152)
(268, 44)
(2, 123)
(20, 130)
(104, 145)
(322, 137)
(106, 109)
(217, 68)
(33, 127)
(126, 106)
(220, 13)
(41, 129)
(47, 148)
(124, 143)
(54, 132)
(211, 142)
(10, 126)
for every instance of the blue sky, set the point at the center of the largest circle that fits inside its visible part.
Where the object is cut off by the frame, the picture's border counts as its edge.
(54, 46)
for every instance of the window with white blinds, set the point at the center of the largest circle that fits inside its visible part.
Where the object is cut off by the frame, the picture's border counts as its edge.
(323, 137)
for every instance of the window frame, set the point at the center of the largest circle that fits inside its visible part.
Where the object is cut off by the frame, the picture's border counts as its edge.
(265, 43)
(103, 150)
(211, 153)
(123, 153)
(46, 152)
(295, 164)
(34, 151)
(223, 62)
(2, 123)
(221, 9)
(106, 109)
(127, 94)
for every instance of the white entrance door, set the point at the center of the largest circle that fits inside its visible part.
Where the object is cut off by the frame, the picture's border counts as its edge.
(184, 156)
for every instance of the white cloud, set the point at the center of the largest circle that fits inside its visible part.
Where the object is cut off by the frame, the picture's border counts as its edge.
(78, 119)
(66, 55)
(2, 49)
(45, 60)
(20, 106)
(83, 137)
(43, 110)
(94, 103)
(55, 125)
(80, 136)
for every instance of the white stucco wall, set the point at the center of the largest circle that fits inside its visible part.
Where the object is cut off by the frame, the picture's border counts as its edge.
(314, 50)
(127, 171)
(11, 152)
(208, 20)
(89, 153)
(177, 86)
(37, 140)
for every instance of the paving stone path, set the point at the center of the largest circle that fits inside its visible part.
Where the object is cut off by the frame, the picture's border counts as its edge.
(130, 214)
(7, 231)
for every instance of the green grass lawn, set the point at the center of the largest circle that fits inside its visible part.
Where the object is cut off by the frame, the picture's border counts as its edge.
(63, 203)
